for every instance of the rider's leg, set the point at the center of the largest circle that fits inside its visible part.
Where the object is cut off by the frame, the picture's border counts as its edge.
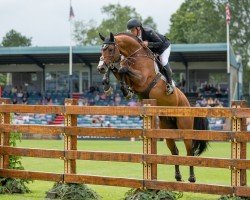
(167, 72)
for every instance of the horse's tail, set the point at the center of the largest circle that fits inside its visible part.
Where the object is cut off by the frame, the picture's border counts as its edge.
(199, 146)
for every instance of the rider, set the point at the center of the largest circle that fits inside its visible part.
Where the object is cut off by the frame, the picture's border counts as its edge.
(157, 43)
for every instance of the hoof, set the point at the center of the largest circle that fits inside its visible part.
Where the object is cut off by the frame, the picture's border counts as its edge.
(109, 91)
(129, 95)
(178, 177)
(192, 179)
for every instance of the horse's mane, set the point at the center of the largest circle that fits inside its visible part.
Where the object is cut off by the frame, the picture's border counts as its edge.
(128, 34)
(135, 38)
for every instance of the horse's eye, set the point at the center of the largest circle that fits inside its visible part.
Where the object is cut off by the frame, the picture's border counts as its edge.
(110, 50)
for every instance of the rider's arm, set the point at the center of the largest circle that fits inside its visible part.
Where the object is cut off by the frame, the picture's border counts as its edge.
(155, 41)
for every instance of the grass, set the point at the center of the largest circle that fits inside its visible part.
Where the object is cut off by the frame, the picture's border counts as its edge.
(38, 188)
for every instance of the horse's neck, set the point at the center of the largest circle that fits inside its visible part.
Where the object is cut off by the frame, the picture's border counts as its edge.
(127, 45)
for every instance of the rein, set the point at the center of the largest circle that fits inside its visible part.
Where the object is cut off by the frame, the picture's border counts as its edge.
(127, 60)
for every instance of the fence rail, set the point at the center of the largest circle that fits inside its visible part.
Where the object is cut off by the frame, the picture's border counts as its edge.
(237, 136)
(126, 110)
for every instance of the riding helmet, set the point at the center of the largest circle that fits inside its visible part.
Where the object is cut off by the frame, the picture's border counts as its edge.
(132, 23)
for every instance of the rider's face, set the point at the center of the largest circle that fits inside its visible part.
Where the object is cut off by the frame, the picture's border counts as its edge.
(135, 31)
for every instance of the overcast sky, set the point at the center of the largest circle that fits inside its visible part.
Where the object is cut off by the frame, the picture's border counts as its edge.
(46, 21)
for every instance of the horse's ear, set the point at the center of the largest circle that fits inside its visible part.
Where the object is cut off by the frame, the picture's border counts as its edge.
(101, 36)
(112, 39)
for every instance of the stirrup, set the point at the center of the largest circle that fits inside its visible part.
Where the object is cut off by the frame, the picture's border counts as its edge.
(170, 89)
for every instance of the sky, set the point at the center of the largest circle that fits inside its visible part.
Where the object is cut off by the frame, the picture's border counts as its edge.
(47, 21)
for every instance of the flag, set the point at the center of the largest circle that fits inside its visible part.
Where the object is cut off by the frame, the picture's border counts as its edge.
(71, 13)
(228, 14)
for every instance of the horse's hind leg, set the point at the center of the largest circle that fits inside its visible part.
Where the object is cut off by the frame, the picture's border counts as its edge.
(187, 123)
(189, 145)
(166, 123)
(174, 150)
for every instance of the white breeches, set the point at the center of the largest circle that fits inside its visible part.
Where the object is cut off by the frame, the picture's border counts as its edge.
(165, 56)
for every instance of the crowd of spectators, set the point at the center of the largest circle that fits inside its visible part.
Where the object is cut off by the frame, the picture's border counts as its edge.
(93, 96)
(212, 96)
(208, 96)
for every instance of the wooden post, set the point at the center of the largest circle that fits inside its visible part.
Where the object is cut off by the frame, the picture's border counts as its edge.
(238, 149)
(4, 136)
(149, 144)
(70, 142)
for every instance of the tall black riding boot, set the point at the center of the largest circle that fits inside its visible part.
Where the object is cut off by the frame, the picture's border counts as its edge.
(168, 74)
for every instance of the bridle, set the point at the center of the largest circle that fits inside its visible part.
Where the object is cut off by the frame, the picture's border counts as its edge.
(116, 58)
(121, 58)
(113, 61)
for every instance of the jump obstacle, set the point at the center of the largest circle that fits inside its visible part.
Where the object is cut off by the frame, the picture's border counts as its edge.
(149, 134)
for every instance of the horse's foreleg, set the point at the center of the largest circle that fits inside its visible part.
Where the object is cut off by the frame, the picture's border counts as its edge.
(124, 88)
(174, 150)
(105, 81)
(189, 145)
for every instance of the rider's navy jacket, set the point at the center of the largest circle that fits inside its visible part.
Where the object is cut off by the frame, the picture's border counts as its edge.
(157, 43)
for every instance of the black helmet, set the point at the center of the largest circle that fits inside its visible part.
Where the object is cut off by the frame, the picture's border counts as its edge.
(132, 23)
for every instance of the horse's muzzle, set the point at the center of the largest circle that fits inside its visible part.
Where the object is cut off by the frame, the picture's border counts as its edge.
(102, 67)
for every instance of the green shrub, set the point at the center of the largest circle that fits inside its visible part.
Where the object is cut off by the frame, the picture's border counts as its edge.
(72, 191)
(137, 194)
(233, 198)
(12, 185)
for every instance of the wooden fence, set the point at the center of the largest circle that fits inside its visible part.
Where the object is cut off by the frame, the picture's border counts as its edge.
(237, 136)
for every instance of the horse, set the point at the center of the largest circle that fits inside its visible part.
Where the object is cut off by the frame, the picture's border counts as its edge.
(137, 69)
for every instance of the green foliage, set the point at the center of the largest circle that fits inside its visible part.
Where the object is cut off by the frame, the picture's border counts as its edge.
(204, 21)
(15, 39)
(72, 191)
(136, 194)
(3, 79)
(15, 161)
(233, 198)
(239, 33)
(10, 185)
(190, 23)
(86, 33)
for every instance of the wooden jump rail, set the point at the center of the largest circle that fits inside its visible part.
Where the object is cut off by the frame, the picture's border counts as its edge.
(237, 136)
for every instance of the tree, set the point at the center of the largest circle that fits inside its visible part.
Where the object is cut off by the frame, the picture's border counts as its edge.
(15, 39)
(204, 21)
(86, 33)
(197, 21)
(11, 185)
(239, 33)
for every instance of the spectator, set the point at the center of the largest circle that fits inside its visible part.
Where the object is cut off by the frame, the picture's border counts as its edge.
(20, 94)
(117, 99)
(132, 102)
(103, 96)
(14, 101)
(210, 101)
(25, 100)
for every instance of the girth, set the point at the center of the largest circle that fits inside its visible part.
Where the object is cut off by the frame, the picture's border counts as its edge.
(145, 93)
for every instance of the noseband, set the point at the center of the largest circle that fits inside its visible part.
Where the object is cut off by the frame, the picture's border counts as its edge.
(112, 62)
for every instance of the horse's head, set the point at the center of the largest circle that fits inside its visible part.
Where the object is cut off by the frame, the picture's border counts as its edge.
(110, 53)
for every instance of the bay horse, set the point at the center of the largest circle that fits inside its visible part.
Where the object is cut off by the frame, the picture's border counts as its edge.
(137, 70)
